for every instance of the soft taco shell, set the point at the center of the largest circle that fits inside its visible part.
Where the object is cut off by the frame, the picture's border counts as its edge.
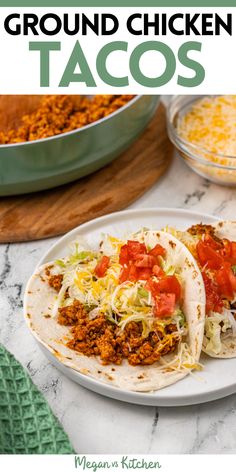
(39, 299)
(224, 229)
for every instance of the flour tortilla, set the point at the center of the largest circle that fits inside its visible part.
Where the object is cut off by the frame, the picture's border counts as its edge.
(224, 229)
(38, 304)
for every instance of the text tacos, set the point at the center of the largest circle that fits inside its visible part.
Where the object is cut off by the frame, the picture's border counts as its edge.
(130, 313)
(214, 248)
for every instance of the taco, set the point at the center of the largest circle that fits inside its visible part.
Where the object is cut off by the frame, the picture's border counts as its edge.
(130, 313)
(214, 248)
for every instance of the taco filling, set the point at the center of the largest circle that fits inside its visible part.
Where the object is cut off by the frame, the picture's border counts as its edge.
(216, 258)
(128, 312)
(124, 301)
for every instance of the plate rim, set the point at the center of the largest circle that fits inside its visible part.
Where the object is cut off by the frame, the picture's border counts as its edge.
(109, 216)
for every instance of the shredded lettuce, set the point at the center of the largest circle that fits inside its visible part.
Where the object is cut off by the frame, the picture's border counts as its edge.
(80, 256)
(60, 263)
(180, 317)
(215, 325)
(142, 292)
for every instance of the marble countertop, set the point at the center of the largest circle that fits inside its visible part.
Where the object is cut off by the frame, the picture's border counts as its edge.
(96, 424)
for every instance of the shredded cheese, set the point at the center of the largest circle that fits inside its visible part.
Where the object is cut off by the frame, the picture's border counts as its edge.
(211, 124)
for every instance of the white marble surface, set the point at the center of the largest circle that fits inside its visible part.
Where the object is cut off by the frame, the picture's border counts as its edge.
(94, 423)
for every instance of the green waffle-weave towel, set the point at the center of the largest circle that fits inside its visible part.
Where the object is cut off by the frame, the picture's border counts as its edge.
(27, 424)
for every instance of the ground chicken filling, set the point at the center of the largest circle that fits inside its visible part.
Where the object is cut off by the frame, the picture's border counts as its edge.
(100, 337)
(58, 114)
(202, 229)
(55, 281)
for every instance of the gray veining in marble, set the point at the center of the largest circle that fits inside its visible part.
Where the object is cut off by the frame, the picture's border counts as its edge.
(97, 424)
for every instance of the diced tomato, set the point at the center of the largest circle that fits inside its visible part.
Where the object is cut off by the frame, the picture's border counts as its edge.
(167, 284)
(226, 281)
(212, 242)
(135, 248)
(164, 304)
(153, 287)
(213, 298)
(130, 272)
(138, 264)
(232, 279)
(158, 250)
(223, 283)
(144, 273)
(131, 251)
(145, 260)
(233, 252)
(170, 284)
(157, 271)
(207, 256)
(102, 266)
(228, 251)
(124, 255)
(133, 273)
(124, 274)
(214, 254)
(225, 250)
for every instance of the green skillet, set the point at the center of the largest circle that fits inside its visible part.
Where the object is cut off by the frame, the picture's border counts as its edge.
(47, 163)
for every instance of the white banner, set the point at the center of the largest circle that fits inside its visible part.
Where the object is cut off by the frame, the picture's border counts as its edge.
(118, 463)
(213, 52)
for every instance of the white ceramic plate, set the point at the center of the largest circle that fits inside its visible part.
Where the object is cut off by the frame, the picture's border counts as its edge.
(217, 380)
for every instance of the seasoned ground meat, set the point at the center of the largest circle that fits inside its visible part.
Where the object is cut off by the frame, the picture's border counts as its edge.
(71, 314)
(200, 229)
(100, 337)
(55, 281)
(58, 114)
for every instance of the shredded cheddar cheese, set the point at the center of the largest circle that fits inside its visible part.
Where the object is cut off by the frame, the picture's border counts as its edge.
(208, 129)
(211, 124)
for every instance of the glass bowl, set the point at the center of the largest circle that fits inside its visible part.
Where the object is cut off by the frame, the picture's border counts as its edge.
(216, 167)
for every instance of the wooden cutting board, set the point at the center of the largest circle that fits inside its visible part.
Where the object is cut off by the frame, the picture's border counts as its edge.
(113, 188)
